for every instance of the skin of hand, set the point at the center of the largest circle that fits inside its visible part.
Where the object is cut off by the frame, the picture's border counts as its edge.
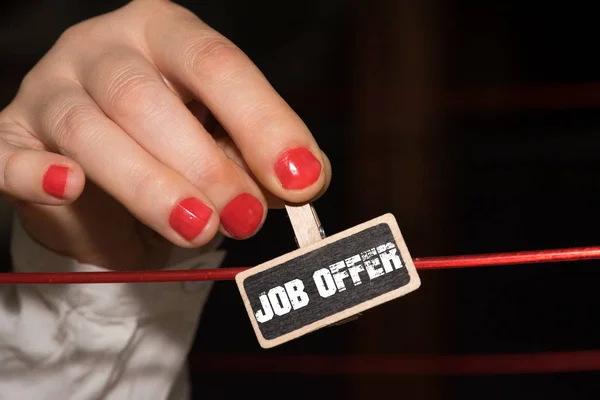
(145, 128)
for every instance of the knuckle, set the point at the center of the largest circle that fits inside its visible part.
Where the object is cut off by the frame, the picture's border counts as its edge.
(6, 164)
(128, 89)
(262, 117)
(30, 81)
(67, 122)
(40, 76)
(11, 162)
(210, 54)
(202, 171)
(92, 29)
(125, 89)
(75, 32)
(146, 182)
(51, 71)
(72, 32)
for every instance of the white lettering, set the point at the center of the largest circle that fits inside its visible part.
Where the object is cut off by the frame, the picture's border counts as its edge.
(376, 262)
(354, 267)
(371, 261)
(339, 274)
(279, 301)
(267, 314)
(324, 282)
(389, 257)
(296, 293)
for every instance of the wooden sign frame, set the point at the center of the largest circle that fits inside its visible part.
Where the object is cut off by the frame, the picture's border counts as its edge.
(413, 281)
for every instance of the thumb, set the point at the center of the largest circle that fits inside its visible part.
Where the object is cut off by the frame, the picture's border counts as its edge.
(38, 176)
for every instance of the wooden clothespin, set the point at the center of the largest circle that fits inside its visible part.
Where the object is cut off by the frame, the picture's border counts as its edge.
(328, 280)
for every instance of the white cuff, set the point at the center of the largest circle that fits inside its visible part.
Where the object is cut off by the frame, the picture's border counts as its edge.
(111, 341)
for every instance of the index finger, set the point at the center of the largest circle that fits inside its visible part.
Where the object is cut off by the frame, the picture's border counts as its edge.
(275, 143)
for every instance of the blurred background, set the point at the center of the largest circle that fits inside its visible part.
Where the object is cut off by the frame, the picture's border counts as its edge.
(475, 123)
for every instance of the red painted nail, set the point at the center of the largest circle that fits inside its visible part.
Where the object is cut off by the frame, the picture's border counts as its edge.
(55, 181)
(297, 168)
(189, 217)
(242, 215)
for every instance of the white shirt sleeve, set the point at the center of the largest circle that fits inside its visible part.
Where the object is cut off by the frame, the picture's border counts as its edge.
(97, 341)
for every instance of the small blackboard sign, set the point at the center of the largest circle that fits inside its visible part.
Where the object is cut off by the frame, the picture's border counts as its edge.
(327, 281)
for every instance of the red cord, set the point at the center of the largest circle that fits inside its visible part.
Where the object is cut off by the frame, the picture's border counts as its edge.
(390, 365)
(362, 364)
(512, 258)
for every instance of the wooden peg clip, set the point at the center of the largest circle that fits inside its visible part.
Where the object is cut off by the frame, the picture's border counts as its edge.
(328, 280)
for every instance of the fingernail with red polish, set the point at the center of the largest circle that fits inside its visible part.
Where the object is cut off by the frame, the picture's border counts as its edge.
(297, 168)
(189, 217)
(55, 181)
(242, 216)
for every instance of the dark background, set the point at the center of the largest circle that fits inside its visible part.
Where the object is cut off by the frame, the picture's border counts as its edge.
(475, 123)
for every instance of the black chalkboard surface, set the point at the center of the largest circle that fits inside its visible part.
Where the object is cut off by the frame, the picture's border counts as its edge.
(328, 281)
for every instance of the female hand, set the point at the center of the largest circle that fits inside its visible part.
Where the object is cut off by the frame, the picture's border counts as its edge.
(125, 101)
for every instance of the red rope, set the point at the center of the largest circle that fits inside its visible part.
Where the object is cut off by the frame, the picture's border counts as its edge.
(511, 258)
(362, 364)
(390, 365)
